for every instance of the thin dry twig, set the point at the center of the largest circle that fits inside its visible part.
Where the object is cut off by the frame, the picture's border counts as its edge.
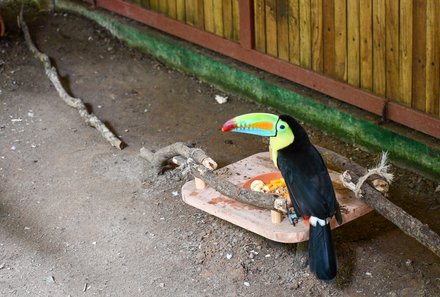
(77, 103)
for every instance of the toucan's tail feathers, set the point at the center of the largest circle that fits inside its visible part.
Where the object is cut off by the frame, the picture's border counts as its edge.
(322, 256)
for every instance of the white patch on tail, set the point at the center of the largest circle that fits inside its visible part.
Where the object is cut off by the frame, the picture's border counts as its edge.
(314, 220)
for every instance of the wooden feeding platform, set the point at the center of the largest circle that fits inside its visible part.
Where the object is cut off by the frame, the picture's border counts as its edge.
(256, 219)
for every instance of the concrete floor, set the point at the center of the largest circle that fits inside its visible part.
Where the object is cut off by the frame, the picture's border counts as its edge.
(79, 218)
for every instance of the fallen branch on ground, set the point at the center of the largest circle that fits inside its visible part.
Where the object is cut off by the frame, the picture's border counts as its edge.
(404, 221)
(77, 103)
(369, 194)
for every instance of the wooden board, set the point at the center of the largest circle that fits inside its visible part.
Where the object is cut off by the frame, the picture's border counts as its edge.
(379, 71)
(353, 49)
(338, 39)
(305, 36)
(256, 219)
(294, 52)
(260, 25)
(392, 49)
(271, 28)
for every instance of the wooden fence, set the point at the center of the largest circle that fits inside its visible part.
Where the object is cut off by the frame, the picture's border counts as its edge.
(388, 47)
(380, 55)
(216, 16)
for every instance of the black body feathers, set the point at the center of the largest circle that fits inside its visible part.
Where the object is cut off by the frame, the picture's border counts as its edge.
(312, 194)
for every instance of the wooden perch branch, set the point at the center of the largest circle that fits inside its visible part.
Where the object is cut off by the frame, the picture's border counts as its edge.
(77, 103)
(177, 149)
(205, 173)
(375, 199)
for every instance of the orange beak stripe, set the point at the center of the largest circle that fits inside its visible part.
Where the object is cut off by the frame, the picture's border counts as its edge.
(262, 125)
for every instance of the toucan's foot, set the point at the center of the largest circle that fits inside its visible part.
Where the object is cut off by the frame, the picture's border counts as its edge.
(293, 218)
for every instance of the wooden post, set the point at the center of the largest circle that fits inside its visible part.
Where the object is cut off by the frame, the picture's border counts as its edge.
(276, 216)
(200, 184)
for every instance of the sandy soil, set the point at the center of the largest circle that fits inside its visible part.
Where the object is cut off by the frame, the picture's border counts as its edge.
(80, 218)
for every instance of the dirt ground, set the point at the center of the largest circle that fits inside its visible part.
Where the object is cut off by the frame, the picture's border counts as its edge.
(81, 218)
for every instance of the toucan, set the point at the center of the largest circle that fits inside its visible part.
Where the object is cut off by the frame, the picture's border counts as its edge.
(307, 179)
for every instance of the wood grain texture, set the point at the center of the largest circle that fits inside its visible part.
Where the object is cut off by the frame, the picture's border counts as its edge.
(154, 5)
(305, 34)
(227, 18)
(163, 7)
(294, 51)
(271, 28)
(199, 17)
(366, 44)
(340, 40)
(379, 64)
(328, 22)
(283, 29)
(317, 39)
(218, 17)
(419, 56)
(392, 49)
(180, 10)
(260, 25)
(405, 51)
(353, 44)
(235, 20)
(172, 9)
(190, 7)
(432, 56)
(208, 7)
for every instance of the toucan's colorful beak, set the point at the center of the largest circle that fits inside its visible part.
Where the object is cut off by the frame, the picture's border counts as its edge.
(262, 124)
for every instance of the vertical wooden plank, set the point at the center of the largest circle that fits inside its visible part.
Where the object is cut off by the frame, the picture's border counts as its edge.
(366, 44)
(294, 52)
(246, 23)
(379, 69)
(208, 7)
(154, 5)
(353, 48)
(199, 14)
(340, 40)
(405, 51)
(392, 49)
(432, 56)
(145, 3)
(419, 55)
(271, 28)
(236, 20)
(328, 22)
(316, 21)
(163, 7)
(227, 19)
(305, 35)
(172, 9)
(218, 17)
(190, 8)
(180, 10)
(283, 29)
(260, 25)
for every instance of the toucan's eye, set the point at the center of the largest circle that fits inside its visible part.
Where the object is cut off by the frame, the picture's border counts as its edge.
(282, 127)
